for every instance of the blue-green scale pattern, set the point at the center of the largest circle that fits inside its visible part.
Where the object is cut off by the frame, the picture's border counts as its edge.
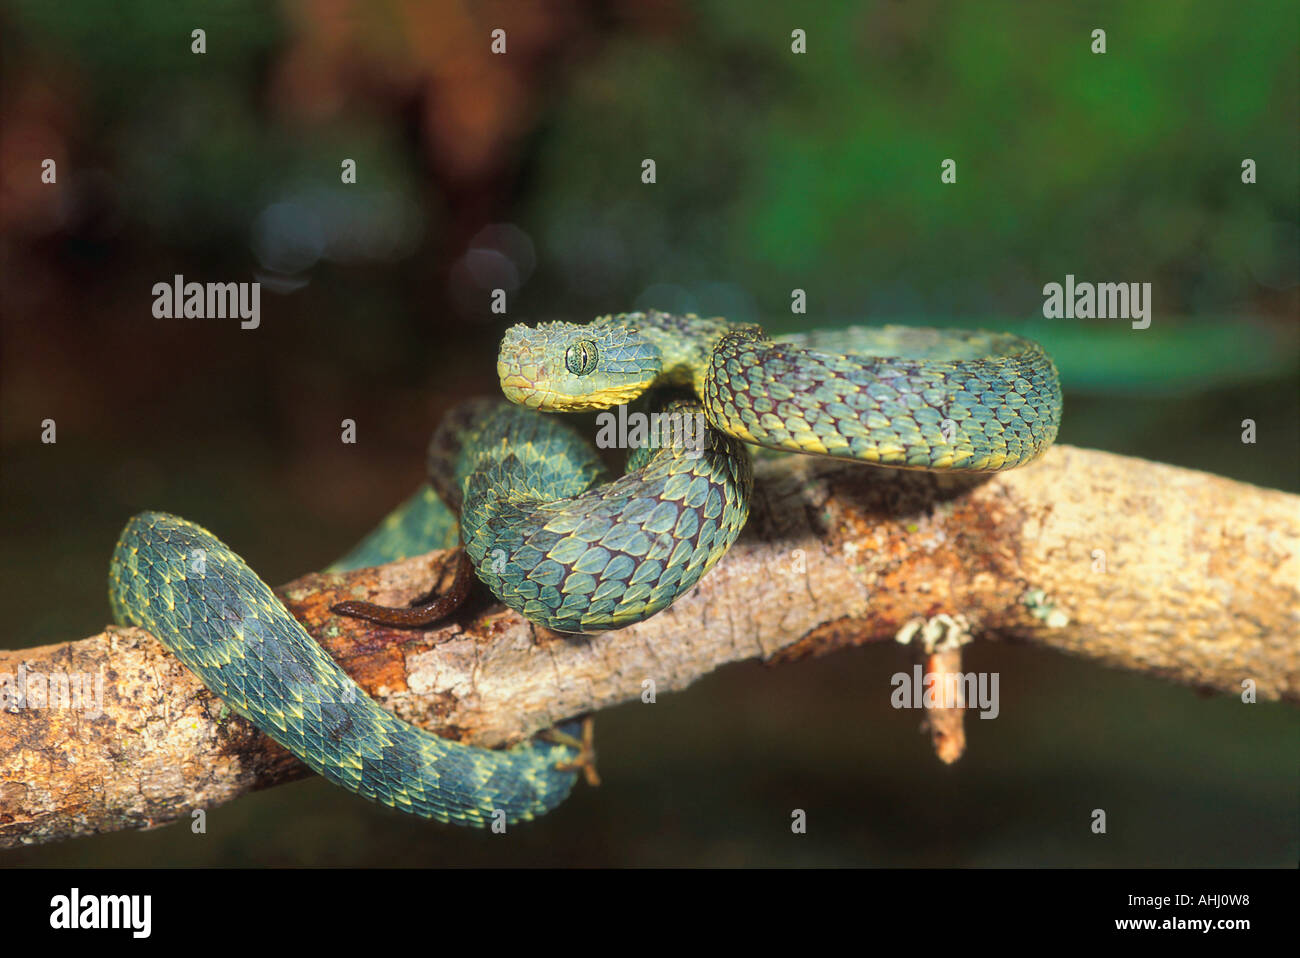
(217, 616)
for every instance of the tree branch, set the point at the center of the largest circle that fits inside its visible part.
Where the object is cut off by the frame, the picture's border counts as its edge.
(1178, 574)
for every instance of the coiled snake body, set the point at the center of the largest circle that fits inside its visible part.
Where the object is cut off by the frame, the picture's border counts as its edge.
(554, 538)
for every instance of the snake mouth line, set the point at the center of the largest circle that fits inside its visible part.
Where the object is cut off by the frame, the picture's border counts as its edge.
(525, 392)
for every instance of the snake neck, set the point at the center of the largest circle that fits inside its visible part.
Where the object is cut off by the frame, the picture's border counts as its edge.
(684, 342)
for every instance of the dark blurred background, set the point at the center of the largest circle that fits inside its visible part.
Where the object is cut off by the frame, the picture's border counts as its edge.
(774, 171)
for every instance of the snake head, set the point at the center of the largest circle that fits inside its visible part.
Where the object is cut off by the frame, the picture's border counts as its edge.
(566, 367)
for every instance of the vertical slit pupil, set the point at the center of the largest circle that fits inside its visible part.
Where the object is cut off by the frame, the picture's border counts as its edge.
(581, 357)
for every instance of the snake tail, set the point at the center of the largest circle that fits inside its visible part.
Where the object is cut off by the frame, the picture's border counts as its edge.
(215, 614)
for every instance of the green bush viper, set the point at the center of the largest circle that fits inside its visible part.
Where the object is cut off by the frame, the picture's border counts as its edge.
(555, 538)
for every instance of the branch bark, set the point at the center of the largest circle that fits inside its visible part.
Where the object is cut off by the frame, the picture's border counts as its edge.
(1178, 574)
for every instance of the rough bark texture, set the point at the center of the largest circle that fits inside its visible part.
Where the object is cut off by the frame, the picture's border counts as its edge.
(1147, 567)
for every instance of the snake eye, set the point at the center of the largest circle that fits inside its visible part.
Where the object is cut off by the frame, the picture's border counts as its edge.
(581, 357)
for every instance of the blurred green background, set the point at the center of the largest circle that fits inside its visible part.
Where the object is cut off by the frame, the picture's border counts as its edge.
(775, 171)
